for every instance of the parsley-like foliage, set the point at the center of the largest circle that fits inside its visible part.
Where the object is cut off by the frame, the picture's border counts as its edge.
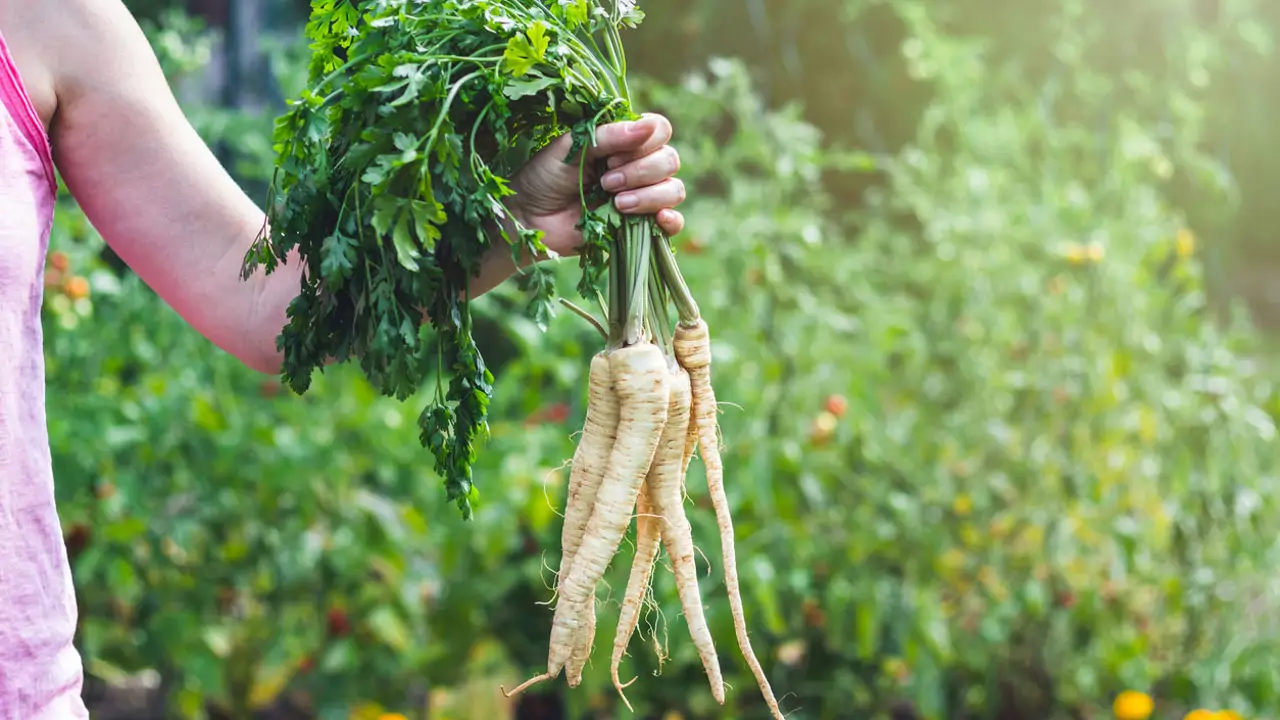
(392, 172)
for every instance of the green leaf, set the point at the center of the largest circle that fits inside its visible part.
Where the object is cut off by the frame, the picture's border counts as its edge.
(867, 627)
(525, 51)
(338, 258)
(575, 12)
(340, 657)
(218, 638)
(519, 56)
(517, 89)
(538, 39)
(426, 220)
(406, 250)
(385, 210)
(389, 628)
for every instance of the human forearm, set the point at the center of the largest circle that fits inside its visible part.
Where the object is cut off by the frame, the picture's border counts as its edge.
(186, 242)
(147, 181)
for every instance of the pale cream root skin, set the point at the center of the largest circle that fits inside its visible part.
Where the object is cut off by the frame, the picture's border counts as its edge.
(690, 443)
(587, 470)
(590, 459)
(582, 645)
(677, 535)
(693, 351)
(648, 541)
(640, 381)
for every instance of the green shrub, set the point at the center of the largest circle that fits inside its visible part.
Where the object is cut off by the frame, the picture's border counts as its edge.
(1055, 477)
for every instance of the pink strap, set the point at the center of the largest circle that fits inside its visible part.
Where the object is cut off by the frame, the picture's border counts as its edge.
(13, 95)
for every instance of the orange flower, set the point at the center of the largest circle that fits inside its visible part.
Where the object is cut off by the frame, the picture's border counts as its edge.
(76, 287)
(1133, 705)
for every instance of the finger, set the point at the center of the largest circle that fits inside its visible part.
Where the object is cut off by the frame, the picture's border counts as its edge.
(631, 139)
(624, 158)
(665, 195)
(648, 170)
(671, 221)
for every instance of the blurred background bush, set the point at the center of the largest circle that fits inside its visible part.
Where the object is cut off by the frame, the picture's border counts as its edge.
(989, 289)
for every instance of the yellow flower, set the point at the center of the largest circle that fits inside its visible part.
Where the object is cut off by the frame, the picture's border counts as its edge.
(1229, 715)
(1185, 243)
(392, 716)
(953, 559)
(1133, 705)
(962, 505)
(1078, 254)
(896, 669)
(366, 711)
(1201, 715)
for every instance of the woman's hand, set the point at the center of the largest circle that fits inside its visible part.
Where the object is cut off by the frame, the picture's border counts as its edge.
(641, 174)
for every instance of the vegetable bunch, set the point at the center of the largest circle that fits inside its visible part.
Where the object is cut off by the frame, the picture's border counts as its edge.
(392, 186)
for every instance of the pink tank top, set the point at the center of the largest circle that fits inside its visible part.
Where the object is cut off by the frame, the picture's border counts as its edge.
(40, 670)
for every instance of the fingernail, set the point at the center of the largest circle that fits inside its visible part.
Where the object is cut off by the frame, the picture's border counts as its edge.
(612, 181)
(626, 201)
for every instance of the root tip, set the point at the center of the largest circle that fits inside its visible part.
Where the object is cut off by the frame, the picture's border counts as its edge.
(620, 687)
(524, 685)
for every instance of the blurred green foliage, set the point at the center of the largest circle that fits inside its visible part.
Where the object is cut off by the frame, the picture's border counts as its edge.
(989, 453)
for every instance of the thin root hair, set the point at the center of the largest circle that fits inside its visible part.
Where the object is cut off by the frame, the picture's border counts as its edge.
(721, 403)
(704, 557)
(545, 495)
(555, 589)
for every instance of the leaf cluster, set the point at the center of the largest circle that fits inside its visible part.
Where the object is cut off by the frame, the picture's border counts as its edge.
(393, 184)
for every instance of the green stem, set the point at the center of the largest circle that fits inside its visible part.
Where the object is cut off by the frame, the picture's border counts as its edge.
(340, 69)
(477, 59)
(686, 307)
(633, 246)
(430, 139)
(582, 313)
(604, 306)
(615, 314)
(592, 61)
(659, 321)
(614, 41)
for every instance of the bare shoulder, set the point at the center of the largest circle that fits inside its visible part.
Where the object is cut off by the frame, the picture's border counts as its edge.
(26, 29)
(66, 49)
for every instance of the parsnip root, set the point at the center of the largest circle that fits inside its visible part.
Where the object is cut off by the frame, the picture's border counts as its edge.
(640, 384)
(589, 463)
(693, 351)
(677, 535)
(648, 541)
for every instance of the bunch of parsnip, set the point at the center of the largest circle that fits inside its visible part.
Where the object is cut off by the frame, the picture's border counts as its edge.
(650, 404)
